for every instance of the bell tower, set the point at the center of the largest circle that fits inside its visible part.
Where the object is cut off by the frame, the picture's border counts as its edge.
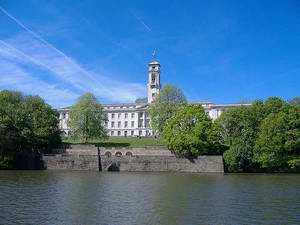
(153, 79)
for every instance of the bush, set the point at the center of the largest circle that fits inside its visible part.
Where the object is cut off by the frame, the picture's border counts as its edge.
(191, 133)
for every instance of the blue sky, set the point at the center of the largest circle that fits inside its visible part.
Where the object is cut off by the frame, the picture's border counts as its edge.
(220, 51)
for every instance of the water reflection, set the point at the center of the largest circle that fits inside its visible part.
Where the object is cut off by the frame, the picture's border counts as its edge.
(48, 197)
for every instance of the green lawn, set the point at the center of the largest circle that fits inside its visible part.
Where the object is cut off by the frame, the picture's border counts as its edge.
(133, 142)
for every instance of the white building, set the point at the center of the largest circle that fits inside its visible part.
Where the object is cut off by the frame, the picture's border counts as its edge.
(132, 119)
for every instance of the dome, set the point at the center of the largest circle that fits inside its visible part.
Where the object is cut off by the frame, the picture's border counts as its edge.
(154, 63)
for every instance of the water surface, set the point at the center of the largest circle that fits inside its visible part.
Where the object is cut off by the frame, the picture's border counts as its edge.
(61, 197)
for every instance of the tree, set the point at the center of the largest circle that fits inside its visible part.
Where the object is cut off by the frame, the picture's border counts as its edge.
(191, 133)
(240, 128)
(87, 118)
(258, 136)
(141, 100)
(273, 105)
(44, 131)
(166, 104)
(279, 139)
(27, 125)
(295, 101)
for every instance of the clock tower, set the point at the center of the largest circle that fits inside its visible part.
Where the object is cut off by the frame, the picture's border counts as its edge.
(153, 80)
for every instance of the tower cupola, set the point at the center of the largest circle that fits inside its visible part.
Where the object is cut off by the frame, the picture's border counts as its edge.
(153, 79)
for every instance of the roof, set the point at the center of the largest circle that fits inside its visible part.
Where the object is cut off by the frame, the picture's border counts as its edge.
(154, 63)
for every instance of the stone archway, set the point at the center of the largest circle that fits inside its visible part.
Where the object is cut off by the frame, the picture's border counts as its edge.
(114, 167)
(118, 154)
(108, 154)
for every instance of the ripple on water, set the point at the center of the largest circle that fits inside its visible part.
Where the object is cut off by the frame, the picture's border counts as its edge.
(49, 197)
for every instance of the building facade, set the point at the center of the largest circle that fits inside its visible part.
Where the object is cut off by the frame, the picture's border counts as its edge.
(132, 119)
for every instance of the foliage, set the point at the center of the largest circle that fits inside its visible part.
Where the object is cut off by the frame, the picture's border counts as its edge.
(141, 100)
(263, 136)
(279, 138)
(240, 127)
(191, 133)
(27, 124)
(166, 104)
(294, 163)
(87, 118)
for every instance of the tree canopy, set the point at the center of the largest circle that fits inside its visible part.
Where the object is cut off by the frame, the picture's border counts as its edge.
(166, 104)
(278, 141)
(191, 133)
(262, 136)
(87, 118)
(27, 124)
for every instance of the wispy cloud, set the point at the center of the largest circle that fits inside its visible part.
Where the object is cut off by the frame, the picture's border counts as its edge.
(30, 49)
(142, 22)
(13, 77)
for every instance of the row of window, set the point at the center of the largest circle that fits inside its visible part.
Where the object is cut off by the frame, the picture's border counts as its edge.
(118, 107)
(128, 133)
(113, 115)
(119, 124)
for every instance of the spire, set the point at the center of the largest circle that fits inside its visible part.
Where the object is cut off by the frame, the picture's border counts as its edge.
(154, 54)
(154, 61)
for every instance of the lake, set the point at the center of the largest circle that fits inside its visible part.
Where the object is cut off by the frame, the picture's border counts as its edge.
(84, 197)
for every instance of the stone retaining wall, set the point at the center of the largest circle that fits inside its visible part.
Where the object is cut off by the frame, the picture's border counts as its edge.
(71, 162)
(90, 160)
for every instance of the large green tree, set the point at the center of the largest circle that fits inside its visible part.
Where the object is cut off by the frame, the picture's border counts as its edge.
(278, 141)
(166, 104)
(240, 127)
(191, 133)
(87, 118)
(27, 125)
(261, 136)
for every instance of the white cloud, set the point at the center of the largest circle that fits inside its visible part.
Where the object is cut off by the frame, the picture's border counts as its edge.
(13, 77)
(31, 50)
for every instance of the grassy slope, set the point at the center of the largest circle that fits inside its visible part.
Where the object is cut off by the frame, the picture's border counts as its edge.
(132, 142)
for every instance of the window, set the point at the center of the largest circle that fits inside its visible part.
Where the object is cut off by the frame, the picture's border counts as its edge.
(119, 124)
(119, 133)
(119, 115)
(126, 115)
(132, 123)
(132, 115)
(111, 133)
(126, 123)
(132, 133)
(112, 124)
(140, 133)
(125, 133)
(153, 77)
(112, 115)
